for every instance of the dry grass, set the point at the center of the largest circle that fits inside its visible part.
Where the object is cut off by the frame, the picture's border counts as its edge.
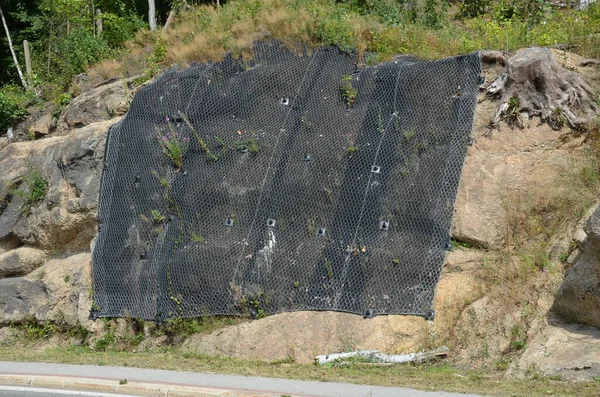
(204, 33)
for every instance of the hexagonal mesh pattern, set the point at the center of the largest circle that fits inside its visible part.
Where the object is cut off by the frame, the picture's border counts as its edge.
(288, 182)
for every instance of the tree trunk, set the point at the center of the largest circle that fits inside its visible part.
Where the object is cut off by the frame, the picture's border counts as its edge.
(169, 20)
(12, 50)
(152, 15)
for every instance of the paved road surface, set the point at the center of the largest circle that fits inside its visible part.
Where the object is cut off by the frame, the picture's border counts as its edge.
(242, 384)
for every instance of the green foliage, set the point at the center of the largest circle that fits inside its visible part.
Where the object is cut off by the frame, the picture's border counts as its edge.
(197, 238)
(174, 145)
(37, 187)
(251, 145)
(348, 92)
(409, 135)
(433, 13)
(105, 342)
(557, 119)
(34, 329)
(328, 268)
(512, 114)
(12, 106)
(157, 217)
(473, 8)
(79, 332)
(183, 326)
(118, 29)
(61, 102)
(518, 338)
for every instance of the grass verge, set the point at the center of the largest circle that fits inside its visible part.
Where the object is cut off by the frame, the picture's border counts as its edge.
(436, 376)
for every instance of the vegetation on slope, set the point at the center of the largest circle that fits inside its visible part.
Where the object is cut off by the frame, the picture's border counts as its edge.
(64, 44)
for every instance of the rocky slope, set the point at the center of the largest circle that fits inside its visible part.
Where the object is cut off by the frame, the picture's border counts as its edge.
(495, 304)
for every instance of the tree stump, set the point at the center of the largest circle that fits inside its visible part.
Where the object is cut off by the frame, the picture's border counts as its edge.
(534, 84)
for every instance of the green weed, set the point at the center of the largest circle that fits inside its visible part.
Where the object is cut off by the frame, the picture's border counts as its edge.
(37, 187)
(348, 92)
(157, 217)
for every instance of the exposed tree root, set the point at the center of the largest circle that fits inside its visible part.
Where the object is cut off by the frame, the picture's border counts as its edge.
(534, 84)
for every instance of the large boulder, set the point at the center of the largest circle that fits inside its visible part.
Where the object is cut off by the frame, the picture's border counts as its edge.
(102, 103)
(65, 219)
(578, 299)
(571, 351)
(59, 291)
(20, 261)
(67, 283)
(21, 299)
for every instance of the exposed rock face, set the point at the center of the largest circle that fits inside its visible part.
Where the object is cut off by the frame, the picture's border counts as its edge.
(499, 166)
(467, 315)
(21, 298)
(21, 261)
(278, 337)
(72, 166)
(578, 299)
(67, 283)
(59, 291)
(99, 104)
(569, 350)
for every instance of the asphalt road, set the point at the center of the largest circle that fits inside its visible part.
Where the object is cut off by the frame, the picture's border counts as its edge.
(243, 384)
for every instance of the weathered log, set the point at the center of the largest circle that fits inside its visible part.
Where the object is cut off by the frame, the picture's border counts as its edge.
(375, 356)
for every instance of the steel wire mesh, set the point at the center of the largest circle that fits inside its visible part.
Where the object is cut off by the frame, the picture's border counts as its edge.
(292, 181)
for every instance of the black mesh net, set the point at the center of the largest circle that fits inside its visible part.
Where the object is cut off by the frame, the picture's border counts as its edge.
(292, 181)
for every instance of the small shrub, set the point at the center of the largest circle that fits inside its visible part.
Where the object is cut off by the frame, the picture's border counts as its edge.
(174, 145)
(106, 342)
(12, 101)
(35, 330)
(61, 102)
(518, 338)
(512, 114)
(473, 8)
(197, 238)
(37, 187)
(251, 145)
(348, 92)
(79, 332)
(328, 268)
(157, 217)
(557, 119)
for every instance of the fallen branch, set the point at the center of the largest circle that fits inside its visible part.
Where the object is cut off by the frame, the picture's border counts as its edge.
(589, 62)
(375, 356)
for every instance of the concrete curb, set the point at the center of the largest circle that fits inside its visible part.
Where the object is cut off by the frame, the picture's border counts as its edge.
(113, 386)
